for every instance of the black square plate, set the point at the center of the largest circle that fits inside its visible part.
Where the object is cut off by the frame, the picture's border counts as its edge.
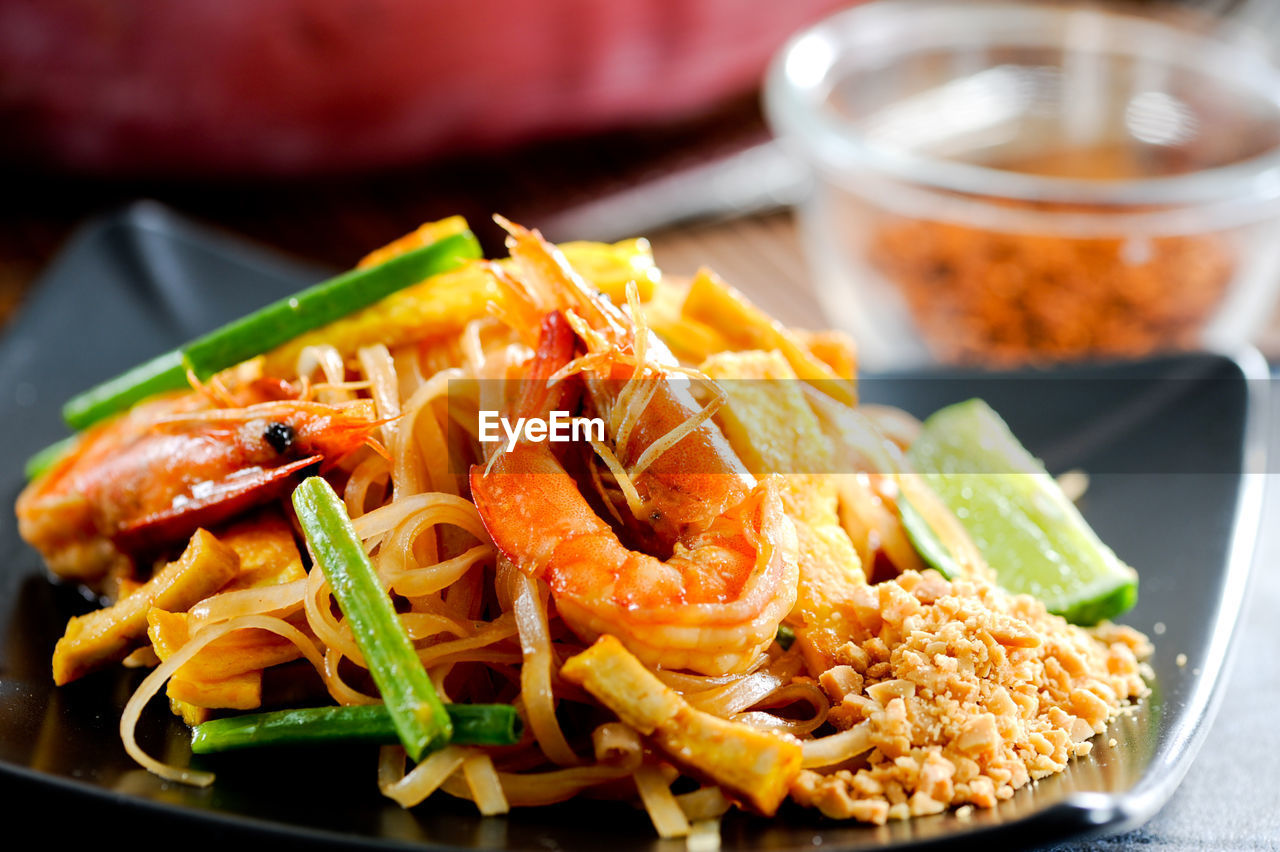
(1168, 444)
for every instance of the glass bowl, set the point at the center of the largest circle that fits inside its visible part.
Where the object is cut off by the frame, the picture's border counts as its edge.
(1008, 183)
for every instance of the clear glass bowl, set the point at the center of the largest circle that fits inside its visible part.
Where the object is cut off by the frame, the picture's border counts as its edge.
(1005, 183)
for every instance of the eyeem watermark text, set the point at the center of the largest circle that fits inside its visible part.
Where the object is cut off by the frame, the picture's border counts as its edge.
(560, 427)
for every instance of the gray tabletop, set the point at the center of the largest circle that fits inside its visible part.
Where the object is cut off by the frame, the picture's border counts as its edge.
(1230, 799)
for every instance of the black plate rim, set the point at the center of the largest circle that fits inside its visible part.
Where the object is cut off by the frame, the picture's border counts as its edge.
(1079, 816)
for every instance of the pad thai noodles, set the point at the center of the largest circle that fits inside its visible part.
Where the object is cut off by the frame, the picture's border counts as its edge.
(709, 597)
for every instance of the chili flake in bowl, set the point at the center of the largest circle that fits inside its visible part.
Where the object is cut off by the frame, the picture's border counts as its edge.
(1007, 184)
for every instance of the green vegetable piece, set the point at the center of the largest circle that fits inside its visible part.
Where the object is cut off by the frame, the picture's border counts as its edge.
(926, 542)
(269, 327)
(473, 724)
(786, 636)
(410, 697)
(48, 457)
(1034, 538)
(163, 373)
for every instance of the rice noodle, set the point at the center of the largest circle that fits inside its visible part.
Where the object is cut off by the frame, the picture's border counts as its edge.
(339, 689)
(482, 655)
(546, 788)
(738, 695)
(151, 685)
(391, 763)
(535, 671)
(618, 753)
(425, 778)
(408, 367)
(468, 594)
(703, 804)
(371, 476)
(422, 625)
(329, 362)
(281, 600)
(486, 786)
(473, 345)
(341, 644)
(837, 748)
(422, 453)
(665, 812)
(451, 509)
(317, 605)
(494, 633)
(380, 370)
(684, 682)
(411, 549)
(787, 696)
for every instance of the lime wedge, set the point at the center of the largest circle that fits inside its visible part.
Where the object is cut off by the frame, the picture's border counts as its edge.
(1032, 536)
(926, 542)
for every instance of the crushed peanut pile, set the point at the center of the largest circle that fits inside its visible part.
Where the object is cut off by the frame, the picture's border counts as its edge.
(966, 693)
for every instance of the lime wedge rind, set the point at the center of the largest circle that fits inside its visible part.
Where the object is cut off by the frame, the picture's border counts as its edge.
(926, 542)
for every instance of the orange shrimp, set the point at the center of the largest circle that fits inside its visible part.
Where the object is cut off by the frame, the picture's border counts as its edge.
(731, 576)
(153, 475)
(690, 483)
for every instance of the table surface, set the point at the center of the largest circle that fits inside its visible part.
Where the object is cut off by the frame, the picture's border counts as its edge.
(1230, 798)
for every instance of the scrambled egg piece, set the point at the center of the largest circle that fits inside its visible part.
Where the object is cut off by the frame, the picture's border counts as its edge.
(444, 304)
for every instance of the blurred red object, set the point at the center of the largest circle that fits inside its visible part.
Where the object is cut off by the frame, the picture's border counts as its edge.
(304, 86)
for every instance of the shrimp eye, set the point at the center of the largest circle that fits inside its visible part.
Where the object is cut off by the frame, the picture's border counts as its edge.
(280, 436)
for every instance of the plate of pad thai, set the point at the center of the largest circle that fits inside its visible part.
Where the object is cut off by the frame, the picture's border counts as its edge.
(556, 547)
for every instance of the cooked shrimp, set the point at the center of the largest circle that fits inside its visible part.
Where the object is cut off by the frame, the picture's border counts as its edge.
(711, 607)
(627, 370)
(151, 476)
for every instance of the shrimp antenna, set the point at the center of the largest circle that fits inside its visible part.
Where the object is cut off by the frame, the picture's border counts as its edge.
(215, 391)
(554, 282)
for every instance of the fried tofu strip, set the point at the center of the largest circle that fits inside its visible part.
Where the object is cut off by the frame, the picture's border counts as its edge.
(752, 766)
(108, 635)
(228, 673)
